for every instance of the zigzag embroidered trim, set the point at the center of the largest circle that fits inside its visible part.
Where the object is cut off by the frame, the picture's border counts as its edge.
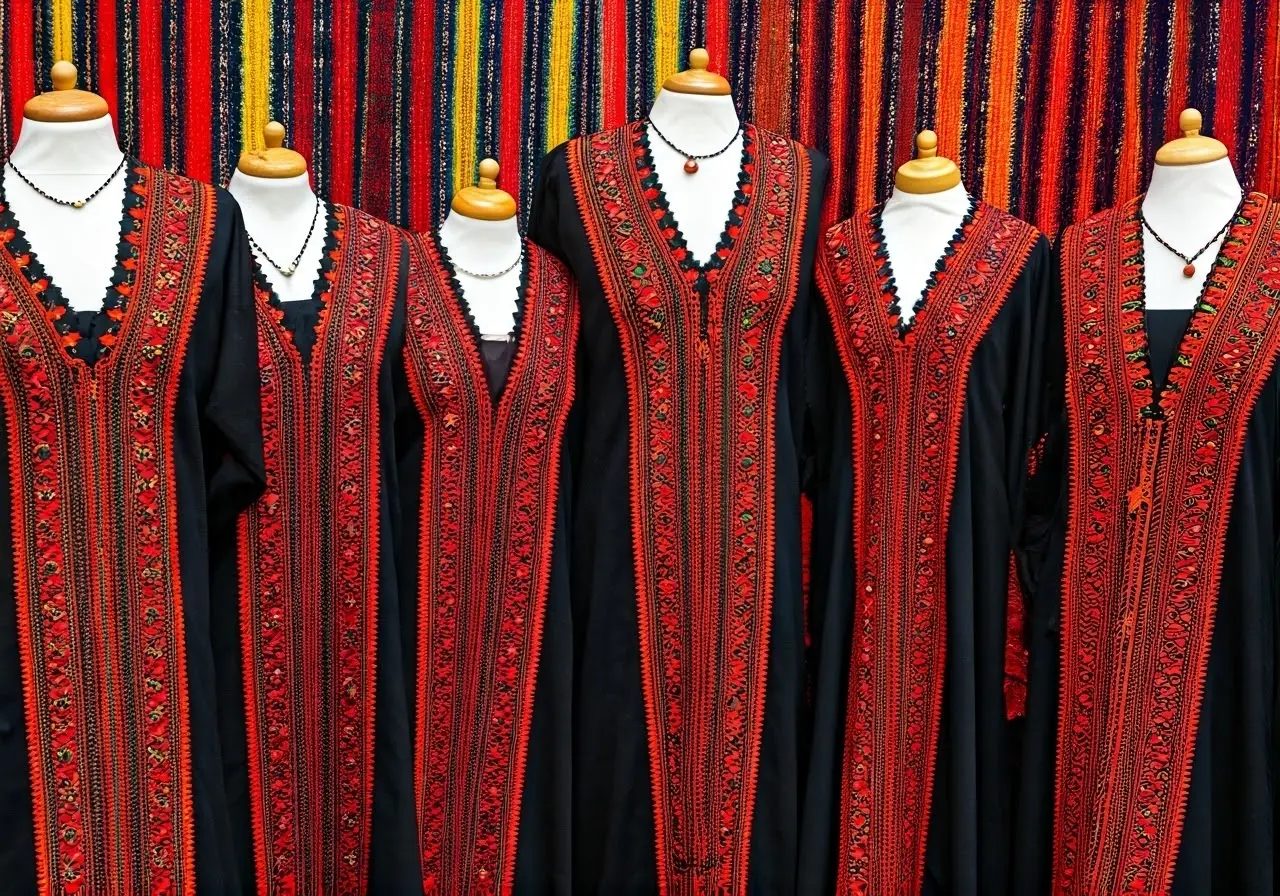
(908, 390)
(700, 346)
(310, 551)
(1136, 635)
(99, 591)
(490, 474)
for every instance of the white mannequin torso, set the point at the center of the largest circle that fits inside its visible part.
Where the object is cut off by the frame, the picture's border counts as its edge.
(700, 125)
(1186, 205)
(277, 213)
(486, 247)
(69, 160)
(917, 228)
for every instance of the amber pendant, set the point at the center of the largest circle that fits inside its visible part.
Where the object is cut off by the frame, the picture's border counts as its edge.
(1189, 270)
(690, 166)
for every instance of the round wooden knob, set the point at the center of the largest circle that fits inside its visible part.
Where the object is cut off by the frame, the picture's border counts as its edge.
(273, 134)
(1190, 122)
(926, 145)
(488, 174)
(64, 75)
(699, 59)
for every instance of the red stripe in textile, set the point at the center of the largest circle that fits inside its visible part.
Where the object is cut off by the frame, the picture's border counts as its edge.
(718, 39)
(304, 91)
(904, 139)
(421, 97)
(108, 52)
(342, 105)
(21, 61)
(150, 83)
(1130, 161)
(1231, 65)
(839, 105)
(773, 66)
(809, 57)
(511, 93)
(1098, 75)
(197, 89)
(375, 171)
(1178, 86)
(1268, 177)
(1056, 127)
(613, 28)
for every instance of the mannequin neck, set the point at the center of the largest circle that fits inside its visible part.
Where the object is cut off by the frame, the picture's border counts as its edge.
(71, 147)
(696, 124)
(1197, 198)
(480, 246)
(272, 200)
(953, 201)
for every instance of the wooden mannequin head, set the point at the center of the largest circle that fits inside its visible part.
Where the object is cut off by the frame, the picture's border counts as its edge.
(928, 172)
(274, 160)
(484, 201)
(1192, 148)
(65, 102)
(696, 79)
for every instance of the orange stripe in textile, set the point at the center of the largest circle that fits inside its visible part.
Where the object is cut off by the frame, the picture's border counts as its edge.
(150, 83)
(613, 27)
(1130, 162)
(1097, 75)
(1179, 89)
(718, 36)
(1003, 76)
(875, 19)
(809, 57)
(1057, 130)
(839, 108)
(773, 66)
(953, 77)
(1268, 178)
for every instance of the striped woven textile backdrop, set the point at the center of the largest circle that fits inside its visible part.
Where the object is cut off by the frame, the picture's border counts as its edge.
(1051, 109)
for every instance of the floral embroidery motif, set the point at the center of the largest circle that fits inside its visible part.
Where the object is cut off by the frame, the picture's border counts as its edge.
(490, 476)
(99, 593)
(310, 552)
(907, 386)
(701, 347)
(1136, 635)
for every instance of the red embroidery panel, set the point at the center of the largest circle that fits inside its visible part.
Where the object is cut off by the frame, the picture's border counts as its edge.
(309, 563)
(490, 477)
(99, 596)
(907, 388)
(702, 397)
(1151, 478)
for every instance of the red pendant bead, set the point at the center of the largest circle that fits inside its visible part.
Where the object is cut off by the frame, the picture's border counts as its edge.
(691, 166)
(1189, 270)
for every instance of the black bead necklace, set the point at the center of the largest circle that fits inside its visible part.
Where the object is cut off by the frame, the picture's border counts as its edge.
(1188, 261)
(297, 259)
(691, 159)
(76, 203)
(490, 276)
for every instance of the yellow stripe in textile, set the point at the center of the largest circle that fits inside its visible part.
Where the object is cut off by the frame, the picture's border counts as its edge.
(466, 99)
(62, 34)
(1003, 77)
(558, 66)
(666, 42)
(255, 108)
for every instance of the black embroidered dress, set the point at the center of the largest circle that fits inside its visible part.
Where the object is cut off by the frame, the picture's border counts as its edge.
(689, 619)
(130, 435)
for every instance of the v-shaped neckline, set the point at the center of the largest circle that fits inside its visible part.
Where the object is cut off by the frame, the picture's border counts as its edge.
(119, 289)
(321, 289)
(476, 346)
(890, 300)
(698, 274)
(1159, 405)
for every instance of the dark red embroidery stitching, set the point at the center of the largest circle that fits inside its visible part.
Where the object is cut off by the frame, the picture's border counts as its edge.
(704, 584)
(489, 483)
(309, 567)
(99, 594)
(907, 386)
(1136, 636)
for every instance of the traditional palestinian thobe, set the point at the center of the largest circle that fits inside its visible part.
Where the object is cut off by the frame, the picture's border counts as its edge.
(481, 445)
(689, 706)
(921, 501)
(130, 433)
(1159, 689)
(319, 735)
